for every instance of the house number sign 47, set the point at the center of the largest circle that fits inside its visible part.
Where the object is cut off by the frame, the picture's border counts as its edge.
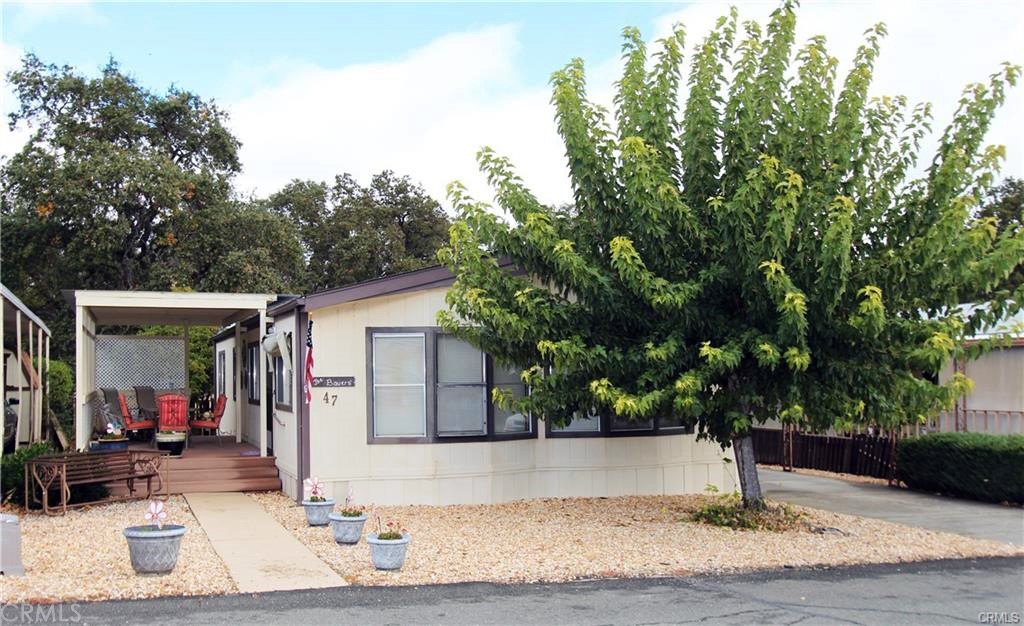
(333, 382)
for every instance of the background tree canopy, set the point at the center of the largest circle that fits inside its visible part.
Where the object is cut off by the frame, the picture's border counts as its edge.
(769, 253)
(122, 188)
(352, 233)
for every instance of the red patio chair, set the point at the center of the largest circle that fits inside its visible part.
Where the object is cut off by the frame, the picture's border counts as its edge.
(173, 411)
(131, 424)
(213, 423)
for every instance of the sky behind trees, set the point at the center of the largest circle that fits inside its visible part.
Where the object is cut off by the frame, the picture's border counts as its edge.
(316, 89)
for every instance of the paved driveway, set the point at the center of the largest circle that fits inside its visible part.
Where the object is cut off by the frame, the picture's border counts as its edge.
(965, 517)
(941, 592)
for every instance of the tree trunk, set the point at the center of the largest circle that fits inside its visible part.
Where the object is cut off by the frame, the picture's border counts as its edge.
(746, 467)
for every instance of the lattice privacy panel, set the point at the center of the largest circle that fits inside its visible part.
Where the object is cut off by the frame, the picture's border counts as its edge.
(124, 361)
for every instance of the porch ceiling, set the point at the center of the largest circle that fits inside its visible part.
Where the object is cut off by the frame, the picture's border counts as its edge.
(139, 308)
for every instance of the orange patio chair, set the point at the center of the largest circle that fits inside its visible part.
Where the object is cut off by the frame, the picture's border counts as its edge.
(212, 423)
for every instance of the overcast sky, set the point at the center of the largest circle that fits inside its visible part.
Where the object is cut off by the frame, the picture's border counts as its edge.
(318, 89)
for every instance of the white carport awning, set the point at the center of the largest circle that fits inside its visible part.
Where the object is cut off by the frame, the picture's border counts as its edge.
(144, 308)
(139, 308)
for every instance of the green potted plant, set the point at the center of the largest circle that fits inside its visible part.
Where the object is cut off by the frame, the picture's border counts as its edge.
(347, 524)
(317, 506)
(154, 547)
(113, 439)
(388, 545)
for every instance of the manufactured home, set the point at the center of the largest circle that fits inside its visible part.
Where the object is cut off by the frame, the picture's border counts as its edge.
(995, 404)
(400, 413)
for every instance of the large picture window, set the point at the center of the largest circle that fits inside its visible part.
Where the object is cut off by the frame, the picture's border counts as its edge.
(427, 386)
(399, 385)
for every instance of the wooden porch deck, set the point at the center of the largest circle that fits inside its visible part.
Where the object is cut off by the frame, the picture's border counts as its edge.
(206, 466)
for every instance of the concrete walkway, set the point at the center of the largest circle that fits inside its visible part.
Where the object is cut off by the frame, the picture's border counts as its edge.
(912, 508)
(261, 555)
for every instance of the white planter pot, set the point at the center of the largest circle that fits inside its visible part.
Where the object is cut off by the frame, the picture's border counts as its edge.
(388, 554)
(316, 512)
(154, 550)
(347, 529)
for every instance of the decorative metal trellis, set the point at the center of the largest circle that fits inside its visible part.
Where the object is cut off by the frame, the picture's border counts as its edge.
(126, 361)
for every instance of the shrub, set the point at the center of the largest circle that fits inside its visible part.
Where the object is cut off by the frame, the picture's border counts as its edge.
(12, 478)
(728, 511)
(12, 471)
(971, 465)
(62, 386)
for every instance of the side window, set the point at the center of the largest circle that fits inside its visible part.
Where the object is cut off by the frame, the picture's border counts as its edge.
(254, 363)
(221, 373)
(282, 383)
(580, 424)
(505, 421)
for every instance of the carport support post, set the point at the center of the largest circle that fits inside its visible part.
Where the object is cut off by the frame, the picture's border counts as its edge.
(31, 389)
(81, 437)
(188, 368)
(21, 374)
(237, 373)
(261, 364)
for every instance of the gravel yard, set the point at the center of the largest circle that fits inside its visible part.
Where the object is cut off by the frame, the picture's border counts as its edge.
(83, 556)
(567, 539)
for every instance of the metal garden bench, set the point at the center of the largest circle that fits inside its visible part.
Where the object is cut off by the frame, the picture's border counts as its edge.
(63, 471)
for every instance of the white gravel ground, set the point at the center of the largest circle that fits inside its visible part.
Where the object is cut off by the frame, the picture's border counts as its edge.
(567, 539)
(84, 556)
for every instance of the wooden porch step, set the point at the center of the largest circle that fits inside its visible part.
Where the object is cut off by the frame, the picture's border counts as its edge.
(237, 484)
(211, 473)
(222, 473)
(215, 485)
(219, 462)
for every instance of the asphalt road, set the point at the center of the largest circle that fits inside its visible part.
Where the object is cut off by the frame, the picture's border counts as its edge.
(940, 592)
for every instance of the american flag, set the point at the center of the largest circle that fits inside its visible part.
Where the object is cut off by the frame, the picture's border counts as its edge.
(309, 362)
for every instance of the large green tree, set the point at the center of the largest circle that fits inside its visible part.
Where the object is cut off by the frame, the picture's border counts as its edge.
(352, 233)
(88, 200)
(1005, 204)
(769, 248)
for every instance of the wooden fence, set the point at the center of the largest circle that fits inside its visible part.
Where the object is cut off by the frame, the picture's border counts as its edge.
(862, 455)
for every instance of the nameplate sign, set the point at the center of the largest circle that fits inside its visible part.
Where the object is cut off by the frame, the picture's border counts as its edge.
(334, 381)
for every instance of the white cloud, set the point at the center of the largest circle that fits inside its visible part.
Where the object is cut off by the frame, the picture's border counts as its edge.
(933, 50)
(28, 14)
(425, 115)
(428, 113)
(10, 141)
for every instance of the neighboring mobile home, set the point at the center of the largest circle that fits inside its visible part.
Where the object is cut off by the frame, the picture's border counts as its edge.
(400, 412)
(996, 403)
